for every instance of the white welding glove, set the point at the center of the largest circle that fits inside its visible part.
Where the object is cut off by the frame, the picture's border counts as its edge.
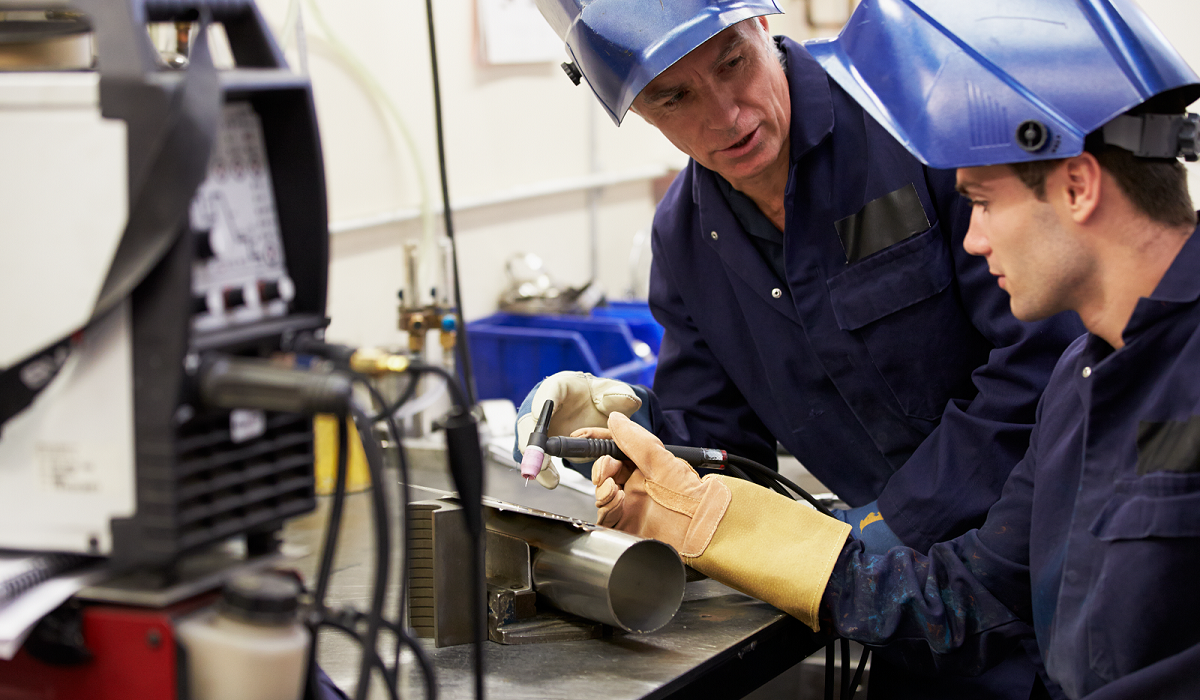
(581, 400)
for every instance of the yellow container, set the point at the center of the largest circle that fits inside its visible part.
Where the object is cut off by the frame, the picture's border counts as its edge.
(326, 451)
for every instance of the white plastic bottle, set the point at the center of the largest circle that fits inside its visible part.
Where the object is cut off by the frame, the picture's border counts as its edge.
(250, 646)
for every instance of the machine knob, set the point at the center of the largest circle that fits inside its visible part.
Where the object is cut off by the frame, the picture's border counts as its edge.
(234, 296)
(268, 291)
(204, 249)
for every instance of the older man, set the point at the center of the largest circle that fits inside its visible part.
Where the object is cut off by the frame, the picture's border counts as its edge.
(1065, 120)
(810, 276)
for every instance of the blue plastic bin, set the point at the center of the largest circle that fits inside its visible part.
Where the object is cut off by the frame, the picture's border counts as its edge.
(511, 352)
(637, 315)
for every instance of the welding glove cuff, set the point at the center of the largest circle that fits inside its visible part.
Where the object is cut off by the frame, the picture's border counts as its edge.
(741, 534)
(581, 400)
(867, 524)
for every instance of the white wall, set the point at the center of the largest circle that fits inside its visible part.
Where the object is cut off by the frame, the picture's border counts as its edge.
(507, 128)
(1178, 20)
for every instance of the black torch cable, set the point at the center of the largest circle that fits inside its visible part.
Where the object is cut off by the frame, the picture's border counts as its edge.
(479, 618)
(754, 467)
(370, 656)
(390, 409)
(829, 669)
(397, 628)
(737, 473)
(383, 549)
(405, 494)
(845, 644)
(858, 674)
(427, 671)
(332, 527)
(457, 395)
(464, 355)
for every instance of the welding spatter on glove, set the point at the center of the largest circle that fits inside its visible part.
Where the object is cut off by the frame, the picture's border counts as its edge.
(741, 534)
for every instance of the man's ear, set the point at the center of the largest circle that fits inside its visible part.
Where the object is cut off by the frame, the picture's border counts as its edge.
(1081, 184)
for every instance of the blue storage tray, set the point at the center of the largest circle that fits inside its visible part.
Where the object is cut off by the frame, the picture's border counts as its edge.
(511, 352)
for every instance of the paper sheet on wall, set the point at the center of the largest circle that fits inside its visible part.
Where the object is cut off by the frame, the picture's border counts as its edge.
(513, 31)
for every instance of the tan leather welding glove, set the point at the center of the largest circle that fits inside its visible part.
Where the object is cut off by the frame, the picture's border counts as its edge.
(741, 534)
(581, 400)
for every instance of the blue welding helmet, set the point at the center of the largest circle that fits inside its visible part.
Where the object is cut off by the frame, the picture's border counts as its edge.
(619, 46)
(963, 84)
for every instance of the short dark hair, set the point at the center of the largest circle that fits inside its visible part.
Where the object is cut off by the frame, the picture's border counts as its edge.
(1158, 188)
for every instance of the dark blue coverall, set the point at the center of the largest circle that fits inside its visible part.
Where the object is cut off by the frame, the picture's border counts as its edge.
(1095, 542)
(888, 362)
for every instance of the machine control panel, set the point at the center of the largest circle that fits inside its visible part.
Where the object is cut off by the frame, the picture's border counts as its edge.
(239, 273)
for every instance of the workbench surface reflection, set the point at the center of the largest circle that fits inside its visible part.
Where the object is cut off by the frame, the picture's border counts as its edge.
(721, 644)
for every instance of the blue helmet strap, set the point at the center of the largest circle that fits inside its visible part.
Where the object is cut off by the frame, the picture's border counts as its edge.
(1167, 136)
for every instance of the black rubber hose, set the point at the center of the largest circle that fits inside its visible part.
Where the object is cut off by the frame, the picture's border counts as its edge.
(829, 669)
(858, 674)
(466, 448)
(383, 544)
(753, 467)
(394, 433)
(845, 644)
(427, 671)
(331, 537)
(370, 658)
(463, 351)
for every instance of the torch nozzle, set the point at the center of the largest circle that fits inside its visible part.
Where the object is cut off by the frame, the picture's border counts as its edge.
(535, 450)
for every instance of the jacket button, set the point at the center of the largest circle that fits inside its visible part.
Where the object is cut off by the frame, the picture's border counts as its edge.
(1087, 372)
(776, 292)
(714, 235)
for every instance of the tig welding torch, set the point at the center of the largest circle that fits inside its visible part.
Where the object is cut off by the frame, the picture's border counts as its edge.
(586, 449)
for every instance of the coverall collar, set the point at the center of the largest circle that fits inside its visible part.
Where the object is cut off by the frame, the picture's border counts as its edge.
(812, 105)
(1179, 285)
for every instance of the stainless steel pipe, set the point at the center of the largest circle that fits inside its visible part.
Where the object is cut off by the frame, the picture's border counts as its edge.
(594, 572)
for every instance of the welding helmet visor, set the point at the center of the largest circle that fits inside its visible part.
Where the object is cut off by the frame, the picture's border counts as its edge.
(964, 84)
(619, 46)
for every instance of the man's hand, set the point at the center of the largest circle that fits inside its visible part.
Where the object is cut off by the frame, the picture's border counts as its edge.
(867, 524)
(741, 534)
(581, 400)
(663, 498)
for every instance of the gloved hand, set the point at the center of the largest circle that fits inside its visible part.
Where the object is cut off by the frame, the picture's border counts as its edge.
(741, 534)
(581, 400)
(867, 524)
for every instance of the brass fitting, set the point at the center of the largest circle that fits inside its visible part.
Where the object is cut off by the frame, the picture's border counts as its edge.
(374, 361)
(415, 324)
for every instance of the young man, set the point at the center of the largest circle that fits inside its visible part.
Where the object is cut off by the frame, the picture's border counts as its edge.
(1065, 120)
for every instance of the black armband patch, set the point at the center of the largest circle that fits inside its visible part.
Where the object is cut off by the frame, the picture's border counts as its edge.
(881, 223)
(1169, 446)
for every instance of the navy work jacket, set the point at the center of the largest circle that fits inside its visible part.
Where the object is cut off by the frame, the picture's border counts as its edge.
(888, 362)
(1095, 542)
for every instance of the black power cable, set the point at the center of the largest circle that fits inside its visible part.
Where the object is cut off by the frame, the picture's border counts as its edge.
(858, 674)
(765, 472)
(383, 543)
(463, 352)
(397, 627)
(394, 433)
(333, 524)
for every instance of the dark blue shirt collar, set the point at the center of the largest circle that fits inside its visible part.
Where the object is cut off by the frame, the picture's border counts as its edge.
(1179, 285)
(812, 105)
